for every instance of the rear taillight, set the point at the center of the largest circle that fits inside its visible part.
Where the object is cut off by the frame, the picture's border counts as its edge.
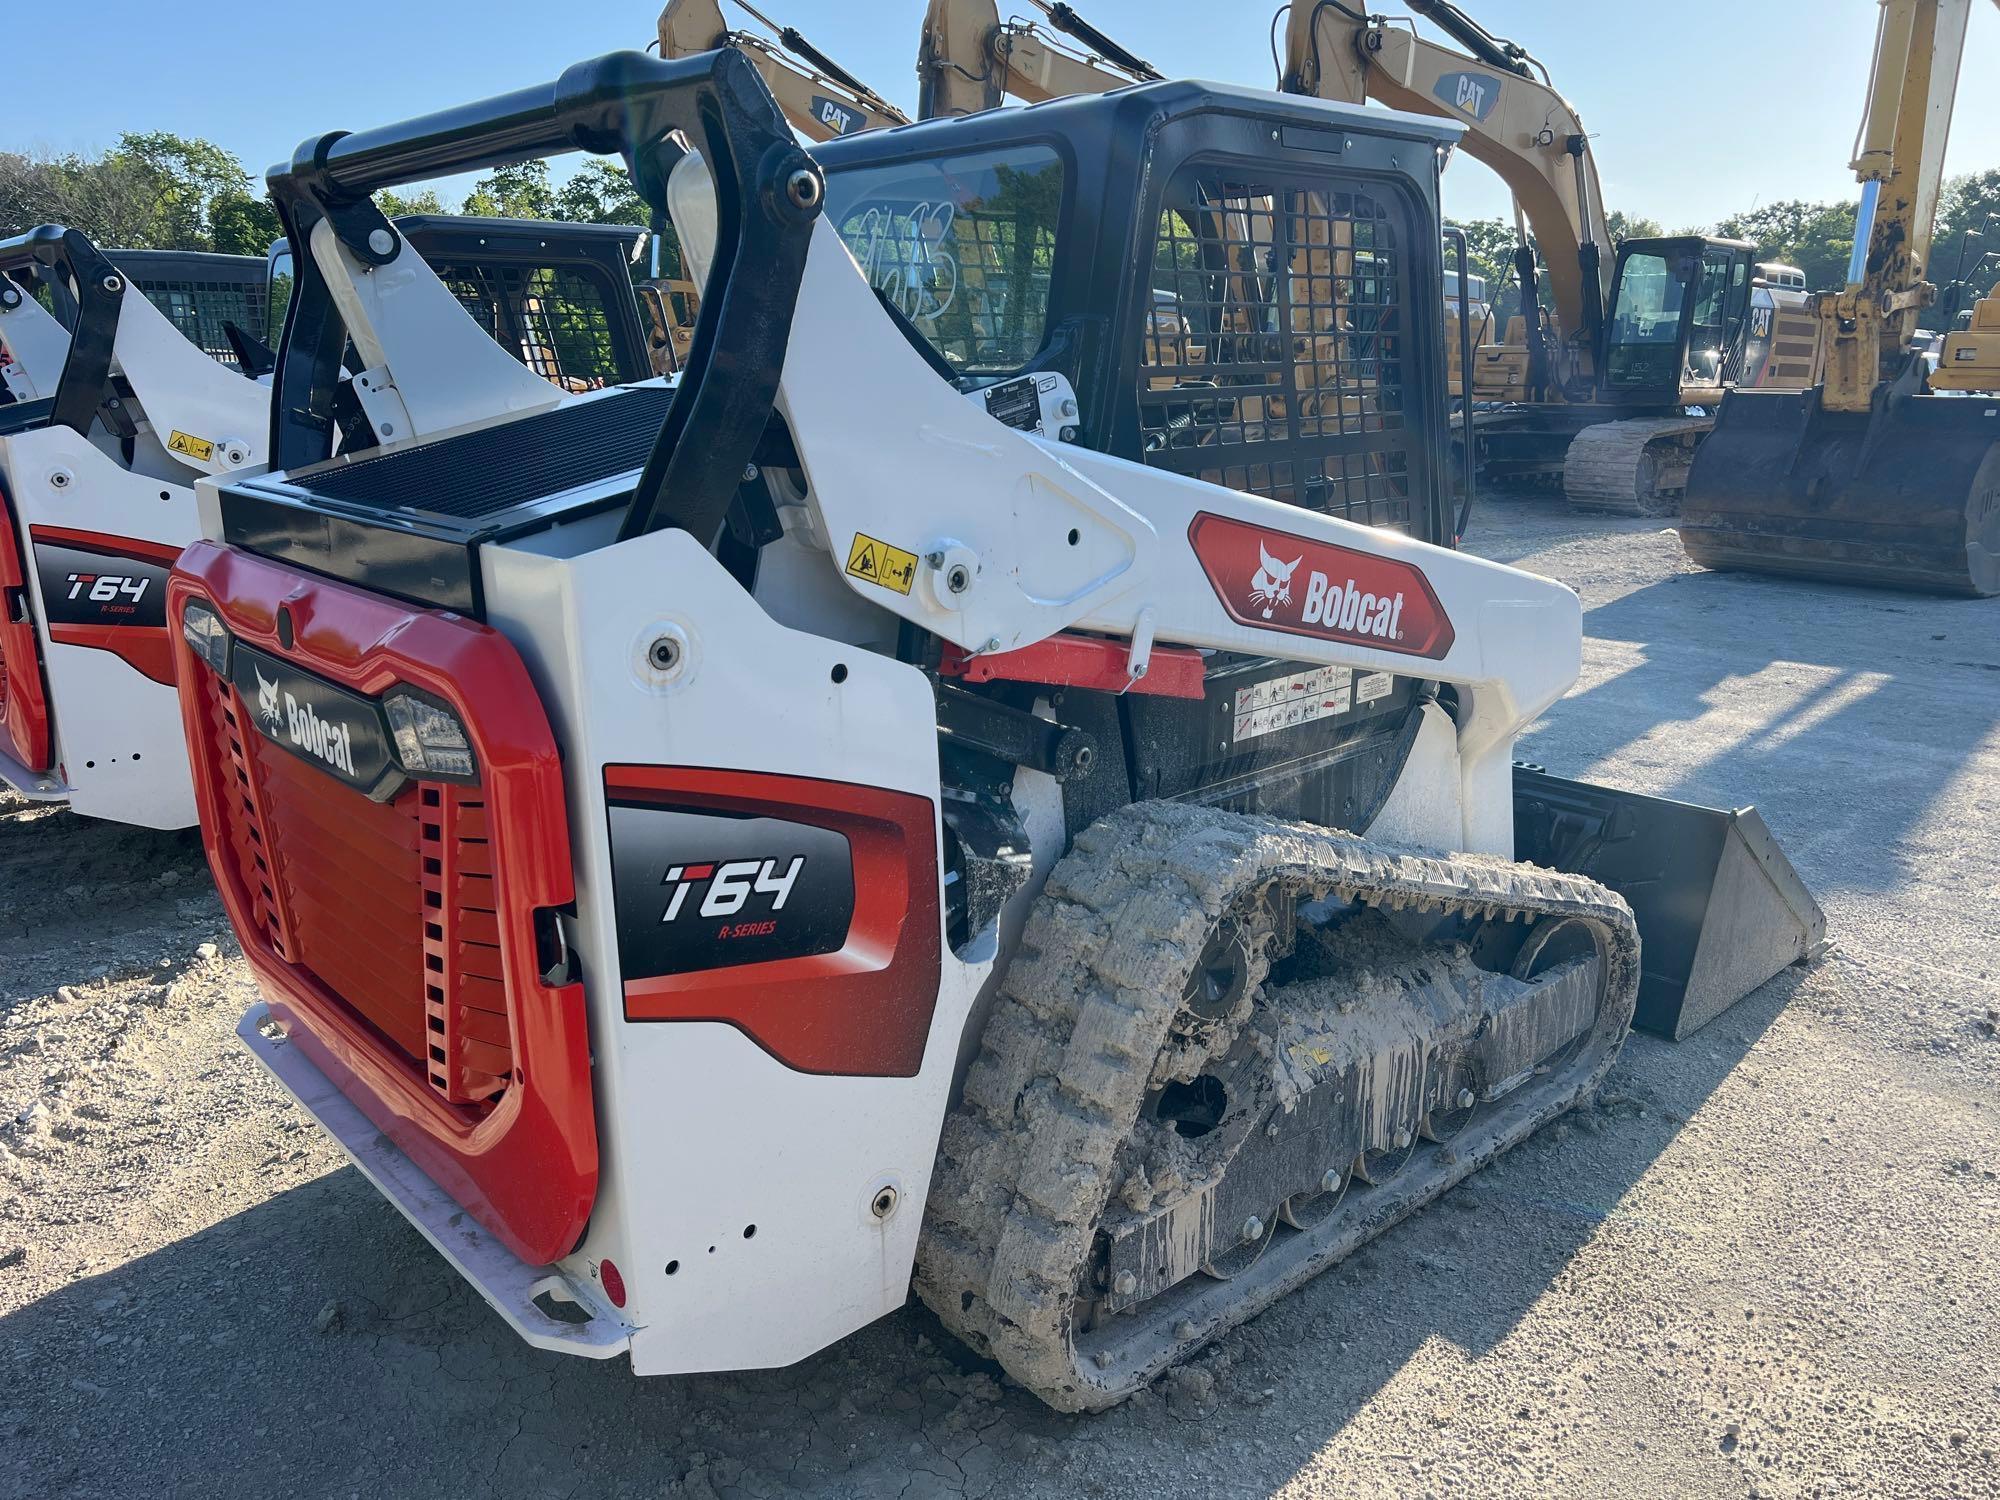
(206, 634)
(430, 741)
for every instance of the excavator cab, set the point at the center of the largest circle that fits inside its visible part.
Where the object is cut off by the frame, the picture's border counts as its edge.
(1679, 318)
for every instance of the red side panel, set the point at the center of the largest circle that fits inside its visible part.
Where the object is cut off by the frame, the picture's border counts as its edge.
(396, 940)
(863, 1004)
(143, 646)
(24, 705)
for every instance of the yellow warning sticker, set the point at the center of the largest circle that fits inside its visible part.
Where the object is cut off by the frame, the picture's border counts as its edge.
(878, 562)
(201, 450)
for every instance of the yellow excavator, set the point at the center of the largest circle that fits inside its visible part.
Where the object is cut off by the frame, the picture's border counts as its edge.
(820, 99)
(1887, 472)
(1612, 405)
(1610, 383)
(969, 60)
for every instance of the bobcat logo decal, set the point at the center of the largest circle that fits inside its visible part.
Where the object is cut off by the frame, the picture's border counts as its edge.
(267, 703)
(1272, 585)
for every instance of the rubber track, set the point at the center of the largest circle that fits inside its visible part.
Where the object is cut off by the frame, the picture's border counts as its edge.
(1601, 468)
(1026, 1165)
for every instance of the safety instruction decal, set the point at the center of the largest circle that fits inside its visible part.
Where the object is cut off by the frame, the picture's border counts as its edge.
(1283, 702)
(201, 450)
(877, 562)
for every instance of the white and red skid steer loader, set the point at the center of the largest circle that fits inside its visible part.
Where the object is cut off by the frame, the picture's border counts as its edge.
(112, 422)
(989, 780)
(113, 418)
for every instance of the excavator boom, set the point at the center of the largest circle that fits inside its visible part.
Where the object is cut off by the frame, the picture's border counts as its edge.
(1515, 123)
(820, 99)
(968, 60)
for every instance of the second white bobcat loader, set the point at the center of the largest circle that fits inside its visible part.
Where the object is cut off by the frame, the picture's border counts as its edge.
(897, 804)
(115, 416)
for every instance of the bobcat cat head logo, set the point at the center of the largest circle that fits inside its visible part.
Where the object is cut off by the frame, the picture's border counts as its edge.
(267, 701)
(1272, 584)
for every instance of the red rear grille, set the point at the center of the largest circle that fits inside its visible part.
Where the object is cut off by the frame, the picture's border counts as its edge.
(388, 904)
(400, 945)
(465, 998)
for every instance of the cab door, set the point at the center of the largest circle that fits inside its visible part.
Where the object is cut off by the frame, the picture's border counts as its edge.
(1716, 323)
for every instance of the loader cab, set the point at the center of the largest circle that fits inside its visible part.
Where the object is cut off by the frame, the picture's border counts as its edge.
(201, 294)
(558, 296)
(1239, 286)
(1679, 311)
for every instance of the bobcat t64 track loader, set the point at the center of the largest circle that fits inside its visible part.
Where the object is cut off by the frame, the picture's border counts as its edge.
(117, 413)
(898, 803)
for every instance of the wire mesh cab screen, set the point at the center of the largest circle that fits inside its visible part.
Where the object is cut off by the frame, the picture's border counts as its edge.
(554, 319)
(962, 246)
(199, 307)
(1272, 356)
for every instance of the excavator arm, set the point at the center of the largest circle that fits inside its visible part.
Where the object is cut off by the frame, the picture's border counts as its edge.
(1515, 120)
(820, 99)
(1899, 161)
(968, 60)
(1886, 474)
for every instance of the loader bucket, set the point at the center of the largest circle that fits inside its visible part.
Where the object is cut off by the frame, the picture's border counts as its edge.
(1906, 495)
(1720, 908)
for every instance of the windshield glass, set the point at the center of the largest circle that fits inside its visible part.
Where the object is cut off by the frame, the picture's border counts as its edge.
(1643, 347)
(279, 297)
(962, 246)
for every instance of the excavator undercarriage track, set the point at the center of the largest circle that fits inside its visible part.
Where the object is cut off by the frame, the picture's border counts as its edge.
(1637, 467)
(1230, 1051)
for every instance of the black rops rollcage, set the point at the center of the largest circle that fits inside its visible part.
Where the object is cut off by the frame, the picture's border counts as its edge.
(1241, 286)
(768, 193)
(64, 256)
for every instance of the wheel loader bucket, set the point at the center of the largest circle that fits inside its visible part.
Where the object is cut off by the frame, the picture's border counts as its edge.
(1906, 495)
(1720, 908)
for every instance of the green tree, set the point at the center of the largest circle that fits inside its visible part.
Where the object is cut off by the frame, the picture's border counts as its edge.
(1967, 244)
(1624, 226)
(189, 177)
(520, 191)
(242, 225)
(1815, 237)
(154, 190)
(114, 202)
(395, 205)
(601, 193)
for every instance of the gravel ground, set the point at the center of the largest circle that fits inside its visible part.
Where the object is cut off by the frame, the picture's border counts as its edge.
(1763, 1264)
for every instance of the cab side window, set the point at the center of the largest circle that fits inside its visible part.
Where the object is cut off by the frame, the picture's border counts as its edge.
(1273, 342)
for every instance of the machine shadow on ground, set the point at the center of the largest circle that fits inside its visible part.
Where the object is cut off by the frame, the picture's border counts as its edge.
(1868, 704)
(332, 1345)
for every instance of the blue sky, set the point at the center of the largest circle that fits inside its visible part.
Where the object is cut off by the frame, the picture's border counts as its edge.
(1698, 108)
